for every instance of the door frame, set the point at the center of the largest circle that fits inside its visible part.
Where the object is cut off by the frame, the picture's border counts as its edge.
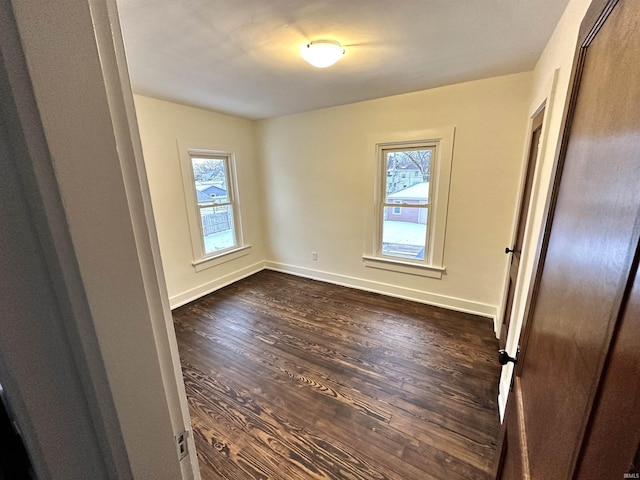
(50, 86)
(526, 273)
(591, 23)
(597, 12)
(546, 103)
(536, 124)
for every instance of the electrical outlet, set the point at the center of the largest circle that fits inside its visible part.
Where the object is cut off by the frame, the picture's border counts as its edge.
(314, 255)
(181, 444)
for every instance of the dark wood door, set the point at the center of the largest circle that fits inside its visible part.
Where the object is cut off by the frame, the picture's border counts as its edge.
(516, 250)
(587, 266)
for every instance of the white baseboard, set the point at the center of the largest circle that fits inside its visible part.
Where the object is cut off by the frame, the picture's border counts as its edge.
(451, 303)
(496, 326)
(436, 300)
(209, 287)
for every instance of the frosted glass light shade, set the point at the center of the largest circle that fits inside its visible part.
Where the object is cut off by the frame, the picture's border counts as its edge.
(322, 53)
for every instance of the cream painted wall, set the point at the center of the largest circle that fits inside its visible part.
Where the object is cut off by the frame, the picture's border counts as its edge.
(318, 172)
(557, 57)
(164, 124)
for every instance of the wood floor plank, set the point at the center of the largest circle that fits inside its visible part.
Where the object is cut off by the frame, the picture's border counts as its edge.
(295, 446)
(277, 380)
(276, 363)
(290, 378)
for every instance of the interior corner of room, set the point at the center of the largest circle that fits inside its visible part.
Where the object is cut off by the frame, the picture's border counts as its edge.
(199, 196)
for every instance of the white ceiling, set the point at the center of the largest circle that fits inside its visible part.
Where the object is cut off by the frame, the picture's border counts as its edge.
(242, 56)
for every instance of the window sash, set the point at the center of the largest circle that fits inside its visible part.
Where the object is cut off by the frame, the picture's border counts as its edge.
(384, 204)
(404, 204)
(388, 150)
(227, 238)
(230, 203)
(422, 245)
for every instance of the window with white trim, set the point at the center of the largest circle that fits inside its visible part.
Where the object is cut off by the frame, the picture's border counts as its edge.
(411, 202)
(213, 208)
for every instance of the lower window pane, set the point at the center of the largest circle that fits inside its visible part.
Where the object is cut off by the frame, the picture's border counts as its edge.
(405, 235)
(217, 228)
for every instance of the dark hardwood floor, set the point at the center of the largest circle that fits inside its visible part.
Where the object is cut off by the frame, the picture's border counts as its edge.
(289, 378)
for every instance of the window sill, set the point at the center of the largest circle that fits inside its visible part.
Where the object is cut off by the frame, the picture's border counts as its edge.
(429, 271)
(220, 258)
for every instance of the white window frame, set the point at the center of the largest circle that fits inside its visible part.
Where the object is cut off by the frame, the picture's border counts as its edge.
(202, 260)
(398, 208)
(441, 139)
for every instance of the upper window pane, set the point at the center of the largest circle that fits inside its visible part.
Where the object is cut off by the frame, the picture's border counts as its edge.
(407, 175)
(210, 176)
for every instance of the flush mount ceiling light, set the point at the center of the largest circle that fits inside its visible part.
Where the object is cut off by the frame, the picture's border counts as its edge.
(322, 53)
